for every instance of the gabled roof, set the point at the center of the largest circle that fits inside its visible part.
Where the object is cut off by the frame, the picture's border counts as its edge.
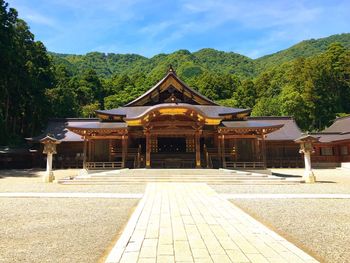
(307, 138)
(338, 131)
(171, 77)
(341, 125)
(58, 129)
(213, 111)
(289, 132)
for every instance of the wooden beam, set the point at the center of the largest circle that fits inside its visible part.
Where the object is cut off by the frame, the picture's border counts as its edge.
(176, 132)
(102, 137)
(242, 136)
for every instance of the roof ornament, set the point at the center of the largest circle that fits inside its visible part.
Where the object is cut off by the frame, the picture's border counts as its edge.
(171, 69)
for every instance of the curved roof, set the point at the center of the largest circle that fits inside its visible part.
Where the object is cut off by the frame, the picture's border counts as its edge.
(206, 110)
(171, 74)
(98, 125)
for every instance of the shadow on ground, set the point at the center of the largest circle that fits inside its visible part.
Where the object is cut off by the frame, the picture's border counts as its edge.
(287, 175)
(299, 176)
(20, 173)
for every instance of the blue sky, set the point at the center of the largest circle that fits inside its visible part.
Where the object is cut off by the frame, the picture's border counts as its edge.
(148, 27)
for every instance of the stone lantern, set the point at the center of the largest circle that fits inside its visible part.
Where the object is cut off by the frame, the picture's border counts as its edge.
(49, 149)
(306, 148)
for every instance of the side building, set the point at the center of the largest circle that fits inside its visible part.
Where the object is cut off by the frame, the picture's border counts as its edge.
(333, 148)
(174, 126)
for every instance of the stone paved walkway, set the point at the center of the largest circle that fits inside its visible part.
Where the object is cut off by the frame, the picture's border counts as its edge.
(190, 222)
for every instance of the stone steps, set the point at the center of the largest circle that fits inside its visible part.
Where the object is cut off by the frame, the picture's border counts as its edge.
(127, 182)
(144, 176)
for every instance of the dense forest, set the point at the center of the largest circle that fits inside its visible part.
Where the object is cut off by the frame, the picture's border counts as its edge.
(309, 81)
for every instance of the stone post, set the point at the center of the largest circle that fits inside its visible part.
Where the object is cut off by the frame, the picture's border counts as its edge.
(306, 148)
(50, 149)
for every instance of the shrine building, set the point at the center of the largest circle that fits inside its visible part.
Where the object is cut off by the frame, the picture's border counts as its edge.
(174, 126)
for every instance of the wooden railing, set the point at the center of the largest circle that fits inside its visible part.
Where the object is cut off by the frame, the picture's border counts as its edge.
(285, 162)
(209, 154)
(172, 163)
(244, 165)
(103, 165)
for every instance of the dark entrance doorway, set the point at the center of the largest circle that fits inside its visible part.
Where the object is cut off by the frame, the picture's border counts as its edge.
(172, 152)
(171, 145)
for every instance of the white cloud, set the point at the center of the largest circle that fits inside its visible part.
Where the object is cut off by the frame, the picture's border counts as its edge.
(39, 19)
(253, 14)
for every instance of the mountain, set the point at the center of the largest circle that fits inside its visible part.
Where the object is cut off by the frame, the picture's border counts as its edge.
(306, 48)
(192, 64)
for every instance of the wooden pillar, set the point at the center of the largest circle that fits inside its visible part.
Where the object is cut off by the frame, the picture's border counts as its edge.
(84, 153)
(89, 151)
(198, 149)
(256, 150)
(109, 150)
(219, 149)
(263, 148)
(124, 149)
(148, 149)
(236, 149)
(223, 151)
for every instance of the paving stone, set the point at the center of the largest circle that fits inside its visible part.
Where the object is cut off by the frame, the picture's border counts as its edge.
(190, 222)
(165, 250)
(165, 259)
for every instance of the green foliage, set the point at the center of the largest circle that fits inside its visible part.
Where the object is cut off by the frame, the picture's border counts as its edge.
(25, 75)
(88, 111)
(267, 107)
(245, 94)
(309, 81)
(306, 48)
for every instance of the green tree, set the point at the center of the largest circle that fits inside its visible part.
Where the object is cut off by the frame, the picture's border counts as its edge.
(245, 94)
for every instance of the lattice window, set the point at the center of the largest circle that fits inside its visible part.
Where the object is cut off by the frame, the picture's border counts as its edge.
(344, 150)
(154, 145)
(190, 145)
(327, 151)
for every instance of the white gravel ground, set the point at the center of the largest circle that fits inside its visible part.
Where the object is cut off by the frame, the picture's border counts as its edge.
(320, 226)
(31, 181)
(330, 181)
(60, 230)
(80, 230)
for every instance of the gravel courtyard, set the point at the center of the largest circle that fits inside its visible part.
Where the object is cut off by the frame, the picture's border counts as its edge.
(320, 226)
(83, 229)
(31, 181)
(60, 229)
(330, 181)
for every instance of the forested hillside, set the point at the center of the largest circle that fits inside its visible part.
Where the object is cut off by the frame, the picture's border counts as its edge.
(194, 63)
(309, 81)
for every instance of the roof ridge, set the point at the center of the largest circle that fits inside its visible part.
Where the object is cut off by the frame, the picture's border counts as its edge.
(340, 118)
(169, 73)
(326, 133)
(272, 117)
(73, 119)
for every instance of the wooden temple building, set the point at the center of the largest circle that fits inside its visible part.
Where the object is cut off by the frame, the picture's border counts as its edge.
(174, 126)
